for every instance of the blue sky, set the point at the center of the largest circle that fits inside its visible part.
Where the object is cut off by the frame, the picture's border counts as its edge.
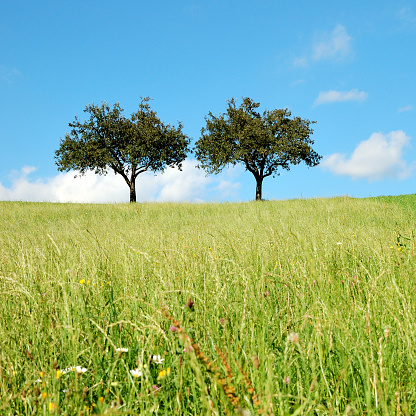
(348, 65)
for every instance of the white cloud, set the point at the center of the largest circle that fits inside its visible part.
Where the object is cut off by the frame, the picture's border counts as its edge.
(301, 62)
(376, 158)
(8, 74)
(190, 184)
(297, 82)
(333, 96)
(407, 16)
(333, 46)
(404, 109)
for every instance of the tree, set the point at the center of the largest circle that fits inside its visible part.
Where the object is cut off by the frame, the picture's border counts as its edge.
(129, 147)
(262, 143)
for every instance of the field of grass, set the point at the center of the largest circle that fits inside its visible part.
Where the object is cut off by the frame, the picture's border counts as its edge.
(299, 307)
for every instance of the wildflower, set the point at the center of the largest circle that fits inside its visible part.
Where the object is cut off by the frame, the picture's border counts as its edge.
(82, 281)
(173, 328)
(286, 380)
(339, 243)
(122, 349)
(157, 359)
(222, 321)
(156, 388)
(101, 399)
(52, 406)
(162, 374)
(293, 337)
(58, 374)
(190, 304)
(136, 373)
(39, 380)
(44, 395)
(78, 369)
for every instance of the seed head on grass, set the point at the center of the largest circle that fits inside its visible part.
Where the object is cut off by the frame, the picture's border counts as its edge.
(226, 383)
(250, 389)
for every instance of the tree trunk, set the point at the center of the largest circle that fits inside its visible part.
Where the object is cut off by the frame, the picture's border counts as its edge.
(133, 190)
(259, 183)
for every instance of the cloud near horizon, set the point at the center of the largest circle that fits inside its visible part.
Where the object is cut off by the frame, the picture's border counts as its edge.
(333, 96)
(379, 157)
(190, 185)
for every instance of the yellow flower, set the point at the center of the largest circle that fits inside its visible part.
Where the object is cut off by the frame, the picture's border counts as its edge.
(58, 374)
(101, 399)
(44, 395)
(52, 406)
(82, 281)
(162, 374)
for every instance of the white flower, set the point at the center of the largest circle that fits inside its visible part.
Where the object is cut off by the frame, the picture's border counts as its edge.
(157, 359)
(77, 369)
(339, 243)
(122, 349)
(136, 373)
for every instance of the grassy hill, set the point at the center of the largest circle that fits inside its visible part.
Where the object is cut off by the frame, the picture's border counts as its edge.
(302, 307)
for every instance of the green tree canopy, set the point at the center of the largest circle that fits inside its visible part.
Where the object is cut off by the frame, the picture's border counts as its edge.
(262, 143)
(127, 146)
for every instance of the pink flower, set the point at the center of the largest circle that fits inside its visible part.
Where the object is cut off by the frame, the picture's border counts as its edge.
(173, 328)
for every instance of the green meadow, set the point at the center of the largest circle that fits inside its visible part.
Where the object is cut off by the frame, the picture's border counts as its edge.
(297, 307)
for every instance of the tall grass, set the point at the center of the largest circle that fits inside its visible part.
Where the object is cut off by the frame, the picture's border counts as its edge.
(302, 307)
